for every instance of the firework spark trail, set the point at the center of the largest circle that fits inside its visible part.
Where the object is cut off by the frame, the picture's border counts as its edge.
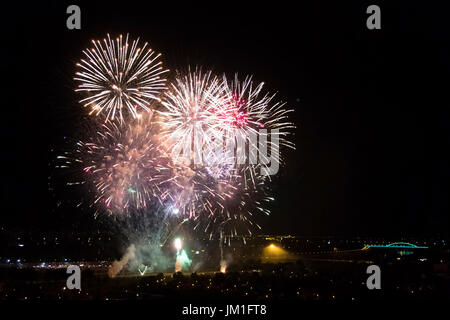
(247, 112)
(124, 165)
(116, 76)
(165, 161)
(190, 124)
(215, 189)
(189, 111)
(128, 163)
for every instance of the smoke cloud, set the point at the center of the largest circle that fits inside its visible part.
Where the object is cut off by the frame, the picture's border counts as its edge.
(117, 266)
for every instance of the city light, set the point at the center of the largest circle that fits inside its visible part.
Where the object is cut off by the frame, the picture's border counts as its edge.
(274, 252)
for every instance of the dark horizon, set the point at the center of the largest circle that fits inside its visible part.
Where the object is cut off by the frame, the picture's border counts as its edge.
(372, 135)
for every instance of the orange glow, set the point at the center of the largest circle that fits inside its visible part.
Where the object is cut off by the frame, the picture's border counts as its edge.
(273, 251)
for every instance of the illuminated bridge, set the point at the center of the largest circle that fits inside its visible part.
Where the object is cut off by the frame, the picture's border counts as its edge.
(396, 245)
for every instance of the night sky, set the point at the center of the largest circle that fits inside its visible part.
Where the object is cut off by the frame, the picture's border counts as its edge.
(371, 107)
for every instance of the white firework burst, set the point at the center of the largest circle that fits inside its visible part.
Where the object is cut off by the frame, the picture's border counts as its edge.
(117, 76)
(189, 115)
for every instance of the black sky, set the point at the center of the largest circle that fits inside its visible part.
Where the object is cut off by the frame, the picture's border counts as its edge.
(370, 105)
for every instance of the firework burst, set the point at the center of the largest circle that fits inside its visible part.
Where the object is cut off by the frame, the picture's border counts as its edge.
(188, 113)
(201, 114)
(236, 215)
(199, 154)
(248, 112)
(117, 76)
(199, 193)
(190, 126)
(124, 166)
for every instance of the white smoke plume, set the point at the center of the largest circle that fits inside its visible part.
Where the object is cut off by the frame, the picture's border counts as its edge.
(117, 266)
